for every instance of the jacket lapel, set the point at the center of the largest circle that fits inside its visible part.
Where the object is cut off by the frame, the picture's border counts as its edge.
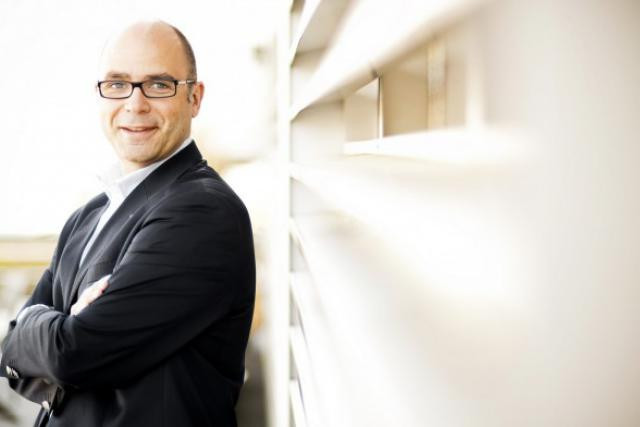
(70, 258)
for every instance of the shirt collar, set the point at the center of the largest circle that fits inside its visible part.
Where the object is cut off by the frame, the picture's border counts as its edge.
(118, 185)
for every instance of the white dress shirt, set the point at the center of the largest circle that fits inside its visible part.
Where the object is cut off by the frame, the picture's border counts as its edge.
(118, 186)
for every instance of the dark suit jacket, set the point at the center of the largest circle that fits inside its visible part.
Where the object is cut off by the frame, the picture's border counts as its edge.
(164, 345)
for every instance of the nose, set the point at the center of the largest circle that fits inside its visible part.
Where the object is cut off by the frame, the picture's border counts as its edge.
(137, 102)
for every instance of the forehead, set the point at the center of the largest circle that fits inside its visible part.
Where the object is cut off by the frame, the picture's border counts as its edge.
(142, 51)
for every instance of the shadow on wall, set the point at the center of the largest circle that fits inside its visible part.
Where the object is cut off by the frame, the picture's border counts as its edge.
(251, 403)
(6, 415)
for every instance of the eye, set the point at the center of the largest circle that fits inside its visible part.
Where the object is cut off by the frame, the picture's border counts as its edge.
(115, 85)
(159, 85)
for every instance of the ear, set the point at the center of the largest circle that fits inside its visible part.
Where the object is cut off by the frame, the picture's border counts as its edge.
(197, 92)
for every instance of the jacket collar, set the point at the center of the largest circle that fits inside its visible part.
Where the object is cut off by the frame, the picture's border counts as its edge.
(169, 171)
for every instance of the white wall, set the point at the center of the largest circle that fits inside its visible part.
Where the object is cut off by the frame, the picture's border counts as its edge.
(482, 274)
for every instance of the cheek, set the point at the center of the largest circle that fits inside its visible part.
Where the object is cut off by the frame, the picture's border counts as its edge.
(107, 115)
(104, 122)
(169, 118)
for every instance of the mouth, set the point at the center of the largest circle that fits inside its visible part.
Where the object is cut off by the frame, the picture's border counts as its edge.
(138, 130)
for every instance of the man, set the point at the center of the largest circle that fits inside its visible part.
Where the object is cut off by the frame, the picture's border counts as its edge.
(143, 316)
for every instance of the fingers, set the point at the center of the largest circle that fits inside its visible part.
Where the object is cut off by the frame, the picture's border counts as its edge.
(101, 284)
(94, 291)
(77, 307)
(89, 295)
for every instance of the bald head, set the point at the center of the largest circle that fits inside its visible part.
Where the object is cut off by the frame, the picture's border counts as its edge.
(161, 33)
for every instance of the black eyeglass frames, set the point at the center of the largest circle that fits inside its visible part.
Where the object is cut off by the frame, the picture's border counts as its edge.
(121, 89)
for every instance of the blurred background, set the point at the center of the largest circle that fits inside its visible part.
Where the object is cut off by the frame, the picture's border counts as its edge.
(444, 196)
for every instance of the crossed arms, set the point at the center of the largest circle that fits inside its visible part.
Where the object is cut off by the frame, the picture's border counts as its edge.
(176, 278)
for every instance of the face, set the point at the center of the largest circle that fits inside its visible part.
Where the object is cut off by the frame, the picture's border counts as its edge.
(143, 130)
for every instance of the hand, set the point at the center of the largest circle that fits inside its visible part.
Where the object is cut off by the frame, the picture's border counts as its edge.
(89, 295)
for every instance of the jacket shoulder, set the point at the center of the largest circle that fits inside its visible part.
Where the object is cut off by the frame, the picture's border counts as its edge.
(203, 184)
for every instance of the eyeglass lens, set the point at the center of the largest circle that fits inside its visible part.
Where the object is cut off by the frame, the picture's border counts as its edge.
(150, 88)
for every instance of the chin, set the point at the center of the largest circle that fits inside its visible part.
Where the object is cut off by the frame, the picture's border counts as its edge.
(135, 153)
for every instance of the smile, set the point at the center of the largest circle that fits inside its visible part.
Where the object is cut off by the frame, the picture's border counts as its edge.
(138, 133)
(138, 129)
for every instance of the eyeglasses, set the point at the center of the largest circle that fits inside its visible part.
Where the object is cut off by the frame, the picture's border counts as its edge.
(120, 89)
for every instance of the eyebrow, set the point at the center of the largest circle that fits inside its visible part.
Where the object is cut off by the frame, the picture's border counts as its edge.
(118, 75)
(163, 76)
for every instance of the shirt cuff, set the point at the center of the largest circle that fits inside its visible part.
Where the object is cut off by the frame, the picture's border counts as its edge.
(25, 310)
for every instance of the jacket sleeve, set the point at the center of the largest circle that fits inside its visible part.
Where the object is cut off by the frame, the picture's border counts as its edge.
(177, 277)
(38, 389)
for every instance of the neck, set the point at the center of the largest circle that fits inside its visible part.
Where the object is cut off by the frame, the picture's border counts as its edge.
(128, 167)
